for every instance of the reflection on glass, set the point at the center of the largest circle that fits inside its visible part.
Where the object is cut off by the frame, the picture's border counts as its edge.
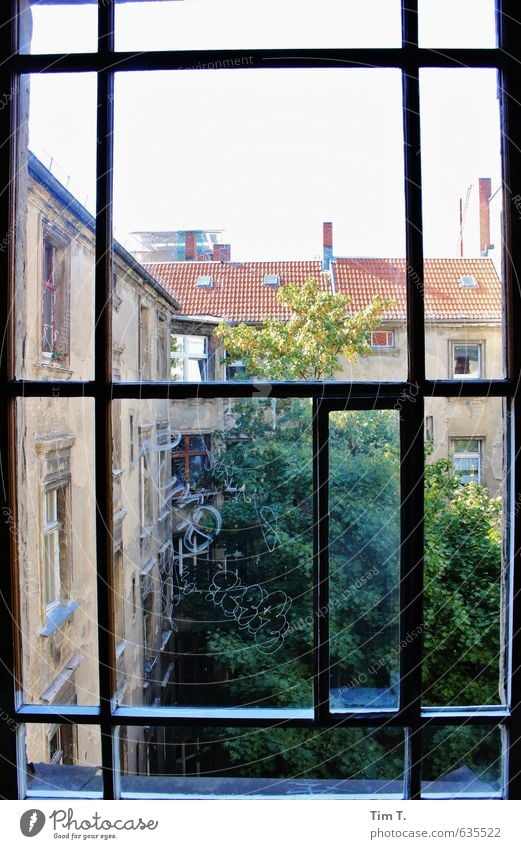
(364, 511)
(214, 553)
(232, 24)
(55, 534)
(464, 475)
(261, 762)
(457, 23)
(55, 246)
(462, 761)
(62, 759)
(462, 217)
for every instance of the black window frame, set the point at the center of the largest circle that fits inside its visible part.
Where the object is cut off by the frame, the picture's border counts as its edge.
(327, 396)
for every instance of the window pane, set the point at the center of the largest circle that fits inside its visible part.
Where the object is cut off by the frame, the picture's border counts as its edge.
(55, 535)
(55, 232)
(364, 515)
(62, 27)
(457, 23)
(462, 218)
(261, 762)
(62, 760)
(309, 223)
(218, 587)
(462, 762)
(235, 25)
(464, 597)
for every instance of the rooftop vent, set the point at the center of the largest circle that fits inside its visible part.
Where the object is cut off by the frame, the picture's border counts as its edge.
(271, 280)
(468, 282)
(204, 281)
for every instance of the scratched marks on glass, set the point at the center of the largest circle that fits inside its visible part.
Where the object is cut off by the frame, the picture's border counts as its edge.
(224, 586)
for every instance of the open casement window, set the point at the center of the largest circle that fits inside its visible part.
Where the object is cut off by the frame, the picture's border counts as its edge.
(312, 605)
(189, 358)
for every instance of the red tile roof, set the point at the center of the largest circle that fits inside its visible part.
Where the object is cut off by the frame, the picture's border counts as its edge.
(445, 298)
(238, 293)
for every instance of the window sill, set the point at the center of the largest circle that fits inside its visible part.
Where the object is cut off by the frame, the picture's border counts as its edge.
(53, 367)
(56, 617)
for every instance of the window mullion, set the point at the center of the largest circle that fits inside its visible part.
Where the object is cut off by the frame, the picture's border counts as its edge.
(103, 376)
(509, 85)
(321, 559)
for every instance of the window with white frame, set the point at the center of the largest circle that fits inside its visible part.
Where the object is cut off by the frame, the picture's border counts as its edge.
(382, 339)
(189, 358)
(466, 360)
(467, 459)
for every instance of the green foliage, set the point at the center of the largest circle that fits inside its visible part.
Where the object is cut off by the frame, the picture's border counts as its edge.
(308, 344)
(264, 469)
(462, 589)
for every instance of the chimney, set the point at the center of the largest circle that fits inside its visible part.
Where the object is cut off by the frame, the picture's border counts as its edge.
(485, 190)
(189, 246)
(327, 244)
(221, 253)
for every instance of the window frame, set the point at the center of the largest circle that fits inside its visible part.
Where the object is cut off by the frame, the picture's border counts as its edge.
(185, 358)
(58, 292)
(411, 716)
(390, 334)
(462, 455)
(480, 345)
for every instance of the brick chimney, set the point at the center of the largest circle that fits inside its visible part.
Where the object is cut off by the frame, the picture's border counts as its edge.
(190, 246)
(485, 190)
(221, 253)
(327, 244)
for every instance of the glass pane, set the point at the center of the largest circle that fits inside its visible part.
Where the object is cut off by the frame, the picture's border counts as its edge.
(55, 245)
(235, 25)
(274, 257)
(462, 218)
(261, 762)
(216, 590)
(464, 597)
(457, 23)
(55, 533)
(65, 26)
(462, 762)
(364, 515)
(63, 760)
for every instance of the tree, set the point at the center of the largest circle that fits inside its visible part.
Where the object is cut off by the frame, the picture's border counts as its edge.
(306, 346)
(261, 639)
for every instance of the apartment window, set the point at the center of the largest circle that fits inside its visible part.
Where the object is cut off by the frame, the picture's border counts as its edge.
(235, 370)
(191, 459)
(382, 339)
(146, 484)
(189, 358)
(62, 744)
(390, 713)
(163, 348)
(54, 547)
(466, 360)
(54, 302)
(466, 458)
(144, 343)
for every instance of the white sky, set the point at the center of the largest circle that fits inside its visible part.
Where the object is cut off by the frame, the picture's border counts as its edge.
(267, 156)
